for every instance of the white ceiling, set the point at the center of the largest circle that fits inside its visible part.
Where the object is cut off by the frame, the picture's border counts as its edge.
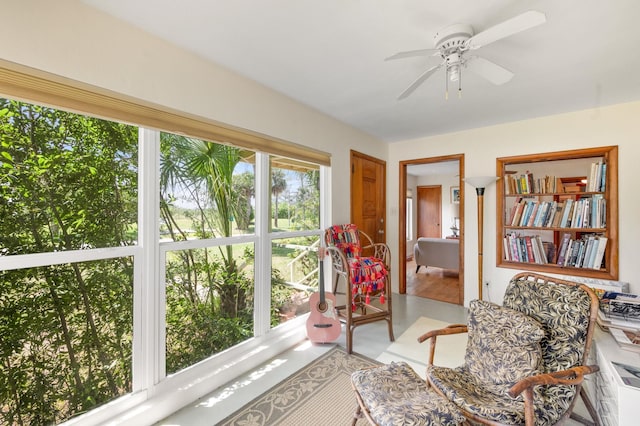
(330, 54)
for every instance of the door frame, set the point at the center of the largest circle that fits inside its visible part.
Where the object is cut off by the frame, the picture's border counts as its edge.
(402, 231)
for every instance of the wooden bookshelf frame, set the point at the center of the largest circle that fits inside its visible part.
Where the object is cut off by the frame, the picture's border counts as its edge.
(609, 154)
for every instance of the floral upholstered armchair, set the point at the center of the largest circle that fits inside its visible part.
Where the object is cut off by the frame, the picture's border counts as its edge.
(524, 362)
(365, 278)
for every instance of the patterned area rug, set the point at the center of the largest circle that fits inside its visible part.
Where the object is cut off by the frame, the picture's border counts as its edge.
(318, 394)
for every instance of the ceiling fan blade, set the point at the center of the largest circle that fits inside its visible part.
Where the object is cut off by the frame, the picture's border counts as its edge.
(413, 53)
(489, 70)
(507, 28)
(425, 75)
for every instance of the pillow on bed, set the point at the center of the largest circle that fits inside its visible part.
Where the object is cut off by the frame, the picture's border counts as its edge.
(503, 345)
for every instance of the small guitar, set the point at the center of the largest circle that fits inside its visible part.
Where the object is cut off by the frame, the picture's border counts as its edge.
(323, 324)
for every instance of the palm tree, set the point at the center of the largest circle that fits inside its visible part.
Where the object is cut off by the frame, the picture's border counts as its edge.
(278, 185)
(244, 185)
(204, 171)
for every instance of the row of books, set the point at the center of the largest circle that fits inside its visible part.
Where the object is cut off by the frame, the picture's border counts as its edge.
(527, 184)
(588, 212)
(586, 252)
(528, 248)
(596, 182)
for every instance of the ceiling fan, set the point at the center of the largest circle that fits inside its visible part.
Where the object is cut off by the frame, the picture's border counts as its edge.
(453, 42)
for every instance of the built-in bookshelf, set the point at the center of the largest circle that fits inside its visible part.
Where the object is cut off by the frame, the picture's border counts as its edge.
(558, 212)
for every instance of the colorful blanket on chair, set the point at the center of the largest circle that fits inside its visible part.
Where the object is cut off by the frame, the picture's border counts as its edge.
(368, 274)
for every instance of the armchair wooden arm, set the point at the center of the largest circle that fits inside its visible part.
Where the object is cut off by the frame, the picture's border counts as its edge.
(572, 376)
(378, 250)
(433, 335)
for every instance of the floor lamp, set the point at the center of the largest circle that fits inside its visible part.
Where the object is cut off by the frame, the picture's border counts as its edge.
(480, 183)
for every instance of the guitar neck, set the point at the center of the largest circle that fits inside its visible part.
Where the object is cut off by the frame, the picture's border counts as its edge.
(321, 284)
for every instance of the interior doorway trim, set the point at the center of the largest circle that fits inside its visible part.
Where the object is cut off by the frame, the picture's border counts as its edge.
(402, 243)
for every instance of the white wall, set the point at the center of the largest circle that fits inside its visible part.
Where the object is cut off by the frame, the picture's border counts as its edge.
(67, 38)
(412, 185)
(603, 126)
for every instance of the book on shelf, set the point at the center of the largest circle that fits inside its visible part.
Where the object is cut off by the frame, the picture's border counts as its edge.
(568, 204)
(535, 214)
(530, 256)
(597, 177)
(528, 249)
(528, 208)
(558, 214)
(575, 253)
(599, 254)
(562, 252)
(580, 255)
(518, 212)
(541, 250)
(550, 251)
(586, 262)
(547, 221)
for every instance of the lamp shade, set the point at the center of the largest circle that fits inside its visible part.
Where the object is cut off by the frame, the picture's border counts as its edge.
(480, 181)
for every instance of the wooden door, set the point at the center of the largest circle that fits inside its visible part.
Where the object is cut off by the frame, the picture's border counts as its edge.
(430, 211)
(368, 195)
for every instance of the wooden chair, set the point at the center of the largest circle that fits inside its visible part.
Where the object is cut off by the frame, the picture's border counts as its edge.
(363, 280)
(524, 360)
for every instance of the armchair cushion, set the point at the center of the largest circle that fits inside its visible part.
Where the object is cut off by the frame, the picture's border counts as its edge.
(503, 345)
(395, 395)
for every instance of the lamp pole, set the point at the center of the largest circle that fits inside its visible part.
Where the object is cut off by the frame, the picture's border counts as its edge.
(480, 183)
(480, 197)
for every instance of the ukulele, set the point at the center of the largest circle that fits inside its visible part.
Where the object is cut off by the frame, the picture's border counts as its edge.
(323, 324)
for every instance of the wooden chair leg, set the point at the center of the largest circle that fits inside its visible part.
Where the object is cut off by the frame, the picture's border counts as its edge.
(590, 409)
(357, 415)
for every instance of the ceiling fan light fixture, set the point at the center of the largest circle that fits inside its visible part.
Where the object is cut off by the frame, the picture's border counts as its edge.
(453, 42)
(454, 73)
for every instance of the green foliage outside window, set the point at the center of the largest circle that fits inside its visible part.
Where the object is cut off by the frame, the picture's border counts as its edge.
(67, 182)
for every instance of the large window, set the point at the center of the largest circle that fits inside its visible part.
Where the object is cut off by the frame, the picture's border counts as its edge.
(68, 183)
(128, 255)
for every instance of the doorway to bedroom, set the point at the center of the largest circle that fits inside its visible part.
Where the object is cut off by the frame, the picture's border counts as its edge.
(441, 216)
